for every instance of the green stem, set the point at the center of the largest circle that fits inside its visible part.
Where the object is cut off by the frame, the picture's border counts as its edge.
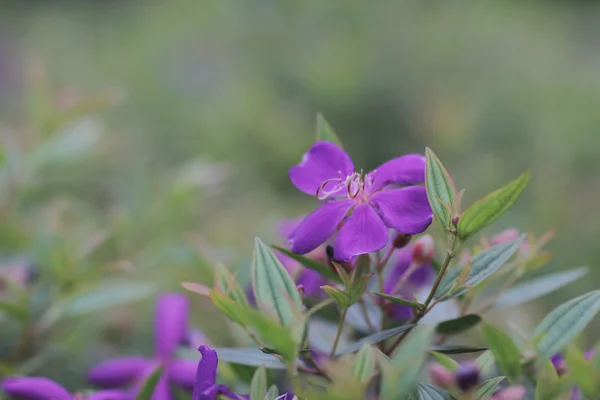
(339, 332)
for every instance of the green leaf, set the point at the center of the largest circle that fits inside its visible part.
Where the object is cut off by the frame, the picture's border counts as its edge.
(487, 388)
(357, 288)
(149, 385)
(274, 289)
(400, 300)
(258, 386)
(372, 339)
(440, 189)
(565, 322)
(341, 298)
(547, 378)
(364, 364)
(485, 361)
(233, 310)
(406, 364)
(226, 281)
(458, 325)
(491, 207)
(325, 132)
(322, 269)
(446, 361)
(272, 393)
(505, 351)
(538, 287)
(582, 372)
(457, 349)
(483, 265)
(425, 391)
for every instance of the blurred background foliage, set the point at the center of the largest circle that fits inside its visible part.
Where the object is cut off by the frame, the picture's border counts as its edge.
(142, 141)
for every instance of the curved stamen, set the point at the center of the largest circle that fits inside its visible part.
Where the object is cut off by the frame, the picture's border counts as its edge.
(322, 194)
(354, 184)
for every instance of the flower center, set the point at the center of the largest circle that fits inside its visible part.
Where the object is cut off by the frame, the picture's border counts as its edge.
(352, 186)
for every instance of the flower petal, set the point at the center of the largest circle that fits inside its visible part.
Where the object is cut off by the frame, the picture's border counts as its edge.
(206, 373)
(118, 371)
(35, 388)
(312, 282)
(321, 162)
(405, 170)
(318, 226)
(407, 209)
(162, 391)
(111, 395)
(183, 373)
(213, 392)
(403, 259)
(171, 323)
(363, 232)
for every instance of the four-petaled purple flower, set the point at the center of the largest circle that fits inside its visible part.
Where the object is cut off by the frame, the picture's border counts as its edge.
(38, 388)
(363, 207)
(206, 387)
(171, 330)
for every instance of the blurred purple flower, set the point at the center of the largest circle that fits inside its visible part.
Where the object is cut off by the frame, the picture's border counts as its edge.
(171, 330)
(405, 279)
(205, 387)
(366, 206)
(38, 388)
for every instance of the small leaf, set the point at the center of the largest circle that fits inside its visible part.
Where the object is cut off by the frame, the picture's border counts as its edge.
(491, 207)
(372, 339)
(506, 353)
(488, 387)
(322, 269)
(363, 266)
(274, 289)
(234, 311)
(440, 188)
(565, 322)
(272, 393)
(258, 386)
(357, 288)
(547, 378)
(364, 364)
(581, 371)
(400, 300)
(226, 281)
(457, 349)
(325, 132)
(485, 361)
(483, 265)
(425, 391)
(149, 385)
(538, 287)
(197, 288)
(458, 325)
(446, 361)
(341, 298)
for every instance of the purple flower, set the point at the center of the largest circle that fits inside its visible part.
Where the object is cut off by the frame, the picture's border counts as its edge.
(38, 388)
(405, 279)
(363, 207)
(205, 387)
(467, 376)
(171, 330)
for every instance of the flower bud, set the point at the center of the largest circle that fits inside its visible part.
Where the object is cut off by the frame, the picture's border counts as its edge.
(467, 376)
(329, 253)
(401, 240)
(440, 376)
(455, 221)
(300, 289)
(505, 236)
(423, 250)
(510, 393)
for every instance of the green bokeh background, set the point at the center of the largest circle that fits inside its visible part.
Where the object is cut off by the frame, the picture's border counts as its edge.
(493, 88)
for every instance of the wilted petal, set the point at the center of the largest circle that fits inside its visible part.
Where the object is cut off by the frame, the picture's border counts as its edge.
(117, 372)
(405, 170)
(321, 162)
(171, 323)
(111, 395)
(35, 388)
(206, 373)
(407, 210)
(318, 226)
(364, 232)
(183, 373)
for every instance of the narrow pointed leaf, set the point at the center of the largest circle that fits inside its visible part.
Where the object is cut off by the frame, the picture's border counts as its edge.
(364, 364)
(457, 349)
(491, 207)
(322, 269)
(325, 132)
(488, 387)
(372, 339)
(149, 385)
(505, 351)
(484, 264)
(565, 322)
(485, 361)
(341, 298)
(440, 189)
(581, 371)
(458, 325)
(274, 289)
(399, 300)
(446, 361)
(272, 393)
(547, 378)
(258, 386)
(538, 287)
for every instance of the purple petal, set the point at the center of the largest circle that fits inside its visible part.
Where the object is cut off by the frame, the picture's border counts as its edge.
(399, 312)
(183, 373)
(363, 232)
(287, 226)
(171, 325)
(118, 371)
(35, 388)
(312, 282)
(318, 226)
(206, 373)
(407, 210)
(405, 170)
(321, 162)
(213, 392)
(111, 395)
(162, 390)
(403, 259)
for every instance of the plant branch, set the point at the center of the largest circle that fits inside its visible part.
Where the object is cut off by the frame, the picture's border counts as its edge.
(339, 332)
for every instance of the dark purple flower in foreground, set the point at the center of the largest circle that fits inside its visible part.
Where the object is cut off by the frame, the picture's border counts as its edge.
(171, 330)
(205, 387)
(38, 388)
(363, 208)
(467, 376)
